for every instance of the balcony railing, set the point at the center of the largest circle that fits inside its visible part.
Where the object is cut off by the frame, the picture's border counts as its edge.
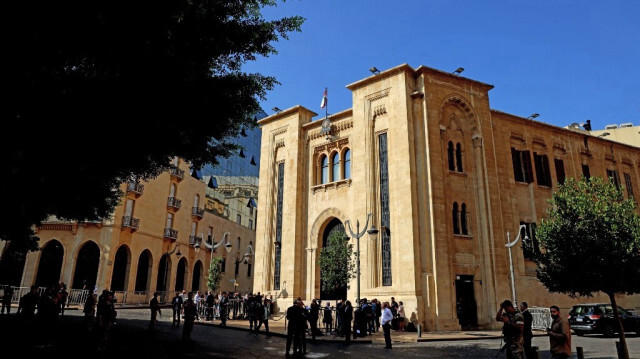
(173, 202)
(197, 212)
(176, 172)
(135, 187)
(194, 239)
(130, 222)
(171, 233)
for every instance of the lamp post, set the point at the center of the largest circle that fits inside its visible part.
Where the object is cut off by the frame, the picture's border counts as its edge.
(509, 245)
(246, 258)
(166, 264)
(373, 232)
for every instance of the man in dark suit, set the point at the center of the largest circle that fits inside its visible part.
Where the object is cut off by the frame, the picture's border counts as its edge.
(527, 334)
(347, 317)
(293, 315)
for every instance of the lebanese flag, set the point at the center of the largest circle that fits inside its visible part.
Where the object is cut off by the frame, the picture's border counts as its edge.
(324, 99)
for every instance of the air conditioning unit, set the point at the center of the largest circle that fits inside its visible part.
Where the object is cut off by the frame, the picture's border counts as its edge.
(628, 124)
(611, 127)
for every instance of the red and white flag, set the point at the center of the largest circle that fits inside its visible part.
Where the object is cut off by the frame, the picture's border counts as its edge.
(324, 99)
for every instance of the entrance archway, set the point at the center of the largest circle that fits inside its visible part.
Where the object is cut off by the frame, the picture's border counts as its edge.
(181, 274)
(120, 269)
(12, 265)
(334, 227)
(164, 268)
(197, 273)
(50, 264)
(86, 273)
(143, 272)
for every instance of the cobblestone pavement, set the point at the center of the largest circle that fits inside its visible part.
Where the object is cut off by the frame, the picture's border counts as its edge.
(131, 339)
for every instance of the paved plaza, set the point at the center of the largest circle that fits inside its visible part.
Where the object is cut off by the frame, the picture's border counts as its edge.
(131, 339)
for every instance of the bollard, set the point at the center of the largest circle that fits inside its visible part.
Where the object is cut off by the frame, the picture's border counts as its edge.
(535, 351)
(419, 330)
(580, 352)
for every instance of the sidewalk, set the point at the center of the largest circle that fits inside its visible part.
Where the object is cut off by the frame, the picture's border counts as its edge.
(277, 328)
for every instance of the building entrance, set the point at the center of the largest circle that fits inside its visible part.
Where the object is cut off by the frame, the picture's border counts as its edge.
(334, 228)
(466, 301)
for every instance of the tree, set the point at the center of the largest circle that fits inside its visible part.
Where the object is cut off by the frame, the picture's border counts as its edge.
(590, 243)
(337, 266)
(215, 274)
(99, 91)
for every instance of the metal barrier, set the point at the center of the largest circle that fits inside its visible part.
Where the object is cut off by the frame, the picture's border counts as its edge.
(541, 318)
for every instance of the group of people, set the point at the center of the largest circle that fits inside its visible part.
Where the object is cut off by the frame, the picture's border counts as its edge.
(46, 305)
(364, 320)
(517, 332)
(194, 305)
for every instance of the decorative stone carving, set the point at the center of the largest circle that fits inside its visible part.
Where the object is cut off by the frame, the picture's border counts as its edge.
(477, 141)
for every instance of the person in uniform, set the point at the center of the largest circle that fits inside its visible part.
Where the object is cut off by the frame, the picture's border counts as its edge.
(527, 333)
(512, 329)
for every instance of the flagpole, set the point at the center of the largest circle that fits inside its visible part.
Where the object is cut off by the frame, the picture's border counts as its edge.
(326, 106)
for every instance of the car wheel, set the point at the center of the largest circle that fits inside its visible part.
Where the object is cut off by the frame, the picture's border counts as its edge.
(579, 332)
(608, 331)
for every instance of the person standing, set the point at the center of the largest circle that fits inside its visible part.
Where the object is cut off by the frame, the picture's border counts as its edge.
(176, 305)
(394, 307)
(314, 315)
(347, 317)
(339, 313)
(559, 335)
(224, 307)
(527, 333)
(155, 310)
(29, 302)
(6, 299)
(401, 317)
(190, 316)
(293, 312)
(62, 298)
(327, 319)
(512, 328)
(387, 317)
(90, 310)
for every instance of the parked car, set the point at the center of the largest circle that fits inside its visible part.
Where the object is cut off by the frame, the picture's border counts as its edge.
(597, 318)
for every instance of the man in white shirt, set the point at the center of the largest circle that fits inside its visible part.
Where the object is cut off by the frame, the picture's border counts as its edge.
(387, 316)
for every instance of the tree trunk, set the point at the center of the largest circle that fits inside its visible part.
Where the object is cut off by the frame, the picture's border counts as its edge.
(623, 340)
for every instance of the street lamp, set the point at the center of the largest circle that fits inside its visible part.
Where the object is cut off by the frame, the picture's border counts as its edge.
(246, 258)
(213, 246)
(373, 232)
(509, 245)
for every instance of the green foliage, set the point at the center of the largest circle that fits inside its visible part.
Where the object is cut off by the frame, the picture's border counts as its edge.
(98, 91)
(215, 274)
(337, 266)
(590, 241)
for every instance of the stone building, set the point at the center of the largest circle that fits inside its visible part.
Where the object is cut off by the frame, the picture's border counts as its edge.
(148, 245)
(443, 177)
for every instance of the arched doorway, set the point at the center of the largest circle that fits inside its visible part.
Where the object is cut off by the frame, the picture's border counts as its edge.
(164, 268)
(335, 226)
(86, 273)
(50, 264)
(197, 273)
(181, 274)
(120, 269)
(143, 272)
(12, 264)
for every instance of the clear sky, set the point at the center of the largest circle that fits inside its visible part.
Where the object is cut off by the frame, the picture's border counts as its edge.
(569, 61)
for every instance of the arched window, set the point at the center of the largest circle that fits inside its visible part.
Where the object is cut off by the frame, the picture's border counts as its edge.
(463, 219)
(454, 214)
(458, 156)
(196, 201)
(335, 167)
(347, 164)
(324, 176)
(452, 165)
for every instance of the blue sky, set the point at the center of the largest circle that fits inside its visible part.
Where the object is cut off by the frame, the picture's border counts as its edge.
(569, 61)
